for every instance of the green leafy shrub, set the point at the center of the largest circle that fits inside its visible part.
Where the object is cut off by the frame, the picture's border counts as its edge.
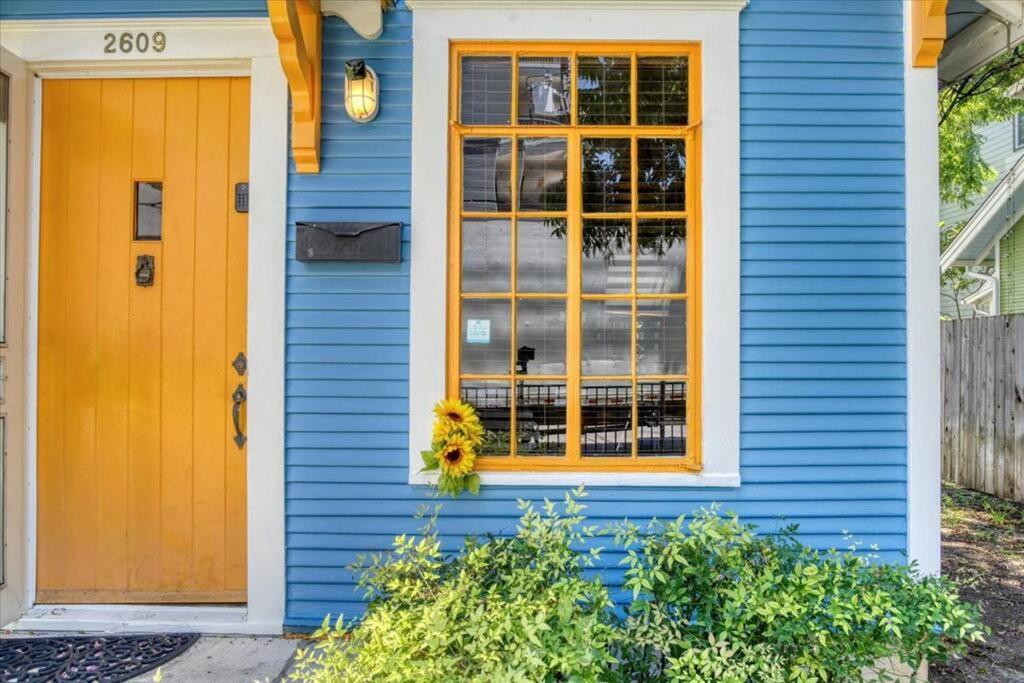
(503, 609)
(714, 601)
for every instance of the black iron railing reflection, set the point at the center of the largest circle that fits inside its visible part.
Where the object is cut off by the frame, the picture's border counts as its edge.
(606, 413)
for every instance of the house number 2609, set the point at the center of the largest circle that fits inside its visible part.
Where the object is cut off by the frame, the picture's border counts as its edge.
(134, 42)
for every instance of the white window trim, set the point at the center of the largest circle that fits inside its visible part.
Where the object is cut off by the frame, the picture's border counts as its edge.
(199, 46)
(437, 23)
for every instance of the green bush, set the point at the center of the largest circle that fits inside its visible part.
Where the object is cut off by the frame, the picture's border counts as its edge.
(504, 609)
(712, 602)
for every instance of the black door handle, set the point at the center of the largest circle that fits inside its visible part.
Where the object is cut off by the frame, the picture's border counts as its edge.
(236, 409)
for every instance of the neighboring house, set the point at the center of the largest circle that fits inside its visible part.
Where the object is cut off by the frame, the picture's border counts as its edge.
(681, 251)
(991, 243)
(1002, 147)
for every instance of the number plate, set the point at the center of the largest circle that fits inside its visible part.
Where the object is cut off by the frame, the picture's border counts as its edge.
(127, 42)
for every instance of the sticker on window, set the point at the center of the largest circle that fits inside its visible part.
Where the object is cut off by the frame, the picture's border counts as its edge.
(478, 331)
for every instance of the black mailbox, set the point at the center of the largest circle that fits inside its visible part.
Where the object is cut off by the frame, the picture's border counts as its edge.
(332, 241)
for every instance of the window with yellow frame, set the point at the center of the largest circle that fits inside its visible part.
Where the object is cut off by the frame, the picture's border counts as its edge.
(573, 253)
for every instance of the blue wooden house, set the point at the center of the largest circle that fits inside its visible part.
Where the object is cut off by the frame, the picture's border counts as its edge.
(681, 251)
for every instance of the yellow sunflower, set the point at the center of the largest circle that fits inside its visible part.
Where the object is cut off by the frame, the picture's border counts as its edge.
(456, 412)
(457, 457)
(444, 429)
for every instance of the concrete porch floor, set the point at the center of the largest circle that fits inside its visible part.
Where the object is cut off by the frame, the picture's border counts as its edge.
(244, 659)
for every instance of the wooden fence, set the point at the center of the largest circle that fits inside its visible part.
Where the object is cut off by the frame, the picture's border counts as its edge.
(983, 404)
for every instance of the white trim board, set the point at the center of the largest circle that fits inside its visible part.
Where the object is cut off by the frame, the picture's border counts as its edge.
(718, 32)
(923, 363)
(137, 619)
(587, 5)
(192, 39)
(14, 249)
(242, 42)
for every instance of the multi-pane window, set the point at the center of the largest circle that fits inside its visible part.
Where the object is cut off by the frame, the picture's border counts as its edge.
(573, 273)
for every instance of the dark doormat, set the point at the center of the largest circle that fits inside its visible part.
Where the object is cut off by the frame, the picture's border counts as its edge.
(106, 659)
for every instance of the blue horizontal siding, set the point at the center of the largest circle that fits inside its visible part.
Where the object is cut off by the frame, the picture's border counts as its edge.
(823, 328)
(823, 338)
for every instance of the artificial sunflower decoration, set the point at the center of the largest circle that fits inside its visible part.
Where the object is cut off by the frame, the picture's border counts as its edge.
(456, 436)
(456, 413)
(457, 457)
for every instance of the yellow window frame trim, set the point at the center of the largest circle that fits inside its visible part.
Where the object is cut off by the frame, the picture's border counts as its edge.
(573, 297)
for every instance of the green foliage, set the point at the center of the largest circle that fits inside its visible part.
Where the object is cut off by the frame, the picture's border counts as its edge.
(964, 107)
(503, 609)
(713, 601)
(447, 484)
(955, 280)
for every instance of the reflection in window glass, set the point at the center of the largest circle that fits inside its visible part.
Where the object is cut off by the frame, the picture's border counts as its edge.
(486, 91)
(486, 254)
(603, 89)
(545, 90)
(661, 265)
(540, 418)
(486, 326)
(662, 91)
(541, 255)
(661, 174)
(542, 174)
(661, 418)
(149, 210)
(661, 337)
(607, 268)
(606, 418)
(492, 400)
(606, 175)
(486, 178)
(540, 337)
(606, 324)
(606, 333)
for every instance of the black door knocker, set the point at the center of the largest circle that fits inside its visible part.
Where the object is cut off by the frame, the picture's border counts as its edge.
(145, 268)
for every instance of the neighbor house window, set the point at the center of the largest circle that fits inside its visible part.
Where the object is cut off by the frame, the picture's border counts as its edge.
(573, 291)
(1018, 131)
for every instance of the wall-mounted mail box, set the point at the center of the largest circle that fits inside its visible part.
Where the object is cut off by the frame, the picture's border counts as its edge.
(334, 241)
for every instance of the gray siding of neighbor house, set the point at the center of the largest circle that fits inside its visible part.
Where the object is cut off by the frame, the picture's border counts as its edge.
(998, 151)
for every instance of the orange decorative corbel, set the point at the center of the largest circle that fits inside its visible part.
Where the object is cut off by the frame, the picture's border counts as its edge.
(297, 25)
(927, 31)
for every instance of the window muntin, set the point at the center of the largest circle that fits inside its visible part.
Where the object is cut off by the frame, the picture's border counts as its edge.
(576, 311)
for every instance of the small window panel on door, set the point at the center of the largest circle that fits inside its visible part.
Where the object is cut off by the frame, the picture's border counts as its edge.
(574, 227)
(149, 210)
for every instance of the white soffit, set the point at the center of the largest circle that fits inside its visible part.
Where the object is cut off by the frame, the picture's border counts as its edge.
(979, 43)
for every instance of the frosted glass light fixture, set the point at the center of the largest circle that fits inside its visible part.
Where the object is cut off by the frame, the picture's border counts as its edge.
(362, 101)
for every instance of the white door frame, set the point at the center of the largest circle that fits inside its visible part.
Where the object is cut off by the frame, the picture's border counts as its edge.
(12, 518)
(193, 47)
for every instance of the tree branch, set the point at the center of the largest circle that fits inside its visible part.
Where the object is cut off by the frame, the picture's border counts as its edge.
(1001, 74)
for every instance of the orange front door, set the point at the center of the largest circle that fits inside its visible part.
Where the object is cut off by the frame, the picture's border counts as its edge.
(142, 300)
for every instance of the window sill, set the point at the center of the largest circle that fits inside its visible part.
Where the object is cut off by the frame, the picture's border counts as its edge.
(591, 479)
